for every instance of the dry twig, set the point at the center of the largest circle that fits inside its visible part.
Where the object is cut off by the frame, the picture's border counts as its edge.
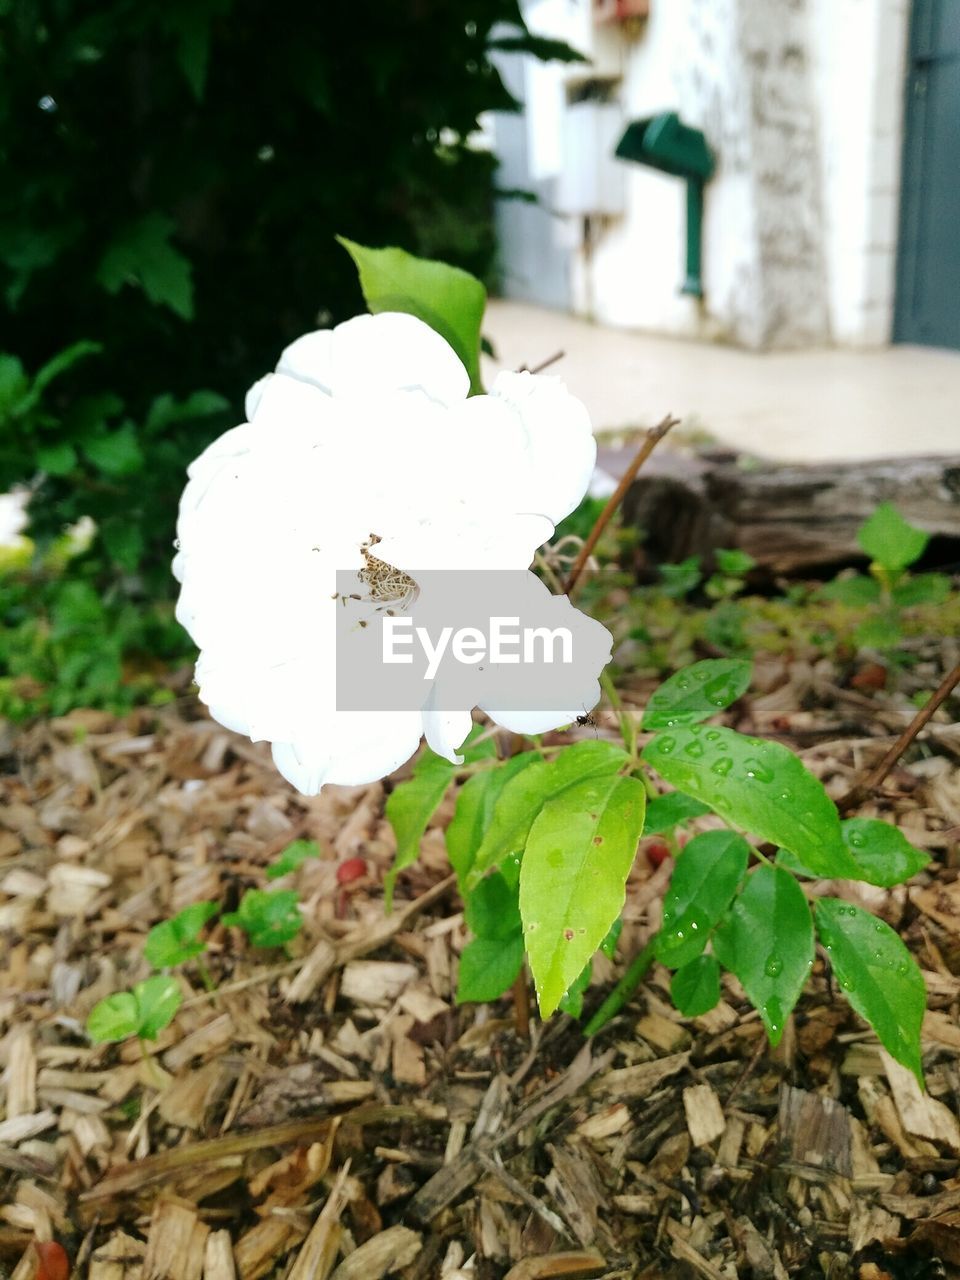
(652, 439)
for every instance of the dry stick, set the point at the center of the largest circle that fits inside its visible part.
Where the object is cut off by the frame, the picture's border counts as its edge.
(861, 790)
(544, 364)
(653, 438)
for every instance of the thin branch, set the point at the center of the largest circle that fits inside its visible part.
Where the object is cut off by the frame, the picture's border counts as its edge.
(653, 438)
(875, 777)
(544, 364)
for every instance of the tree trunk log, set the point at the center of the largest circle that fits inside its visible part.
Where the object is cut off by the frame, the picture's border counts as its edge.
(790, 518)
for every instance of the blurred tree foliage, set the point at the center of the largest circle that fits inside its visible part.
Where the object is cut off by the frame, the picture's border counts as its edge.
(172, 176)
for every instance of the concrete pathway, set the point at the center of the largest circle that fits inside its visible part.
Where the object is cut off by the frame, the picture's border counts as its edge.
(804, 406)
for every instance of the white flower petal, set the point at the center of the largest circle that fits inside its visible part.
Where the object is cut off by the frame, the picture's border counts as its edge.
(529, 722)
(310, 359)
(562, 450)
(445, 731)
(395, 352)
(359, 747)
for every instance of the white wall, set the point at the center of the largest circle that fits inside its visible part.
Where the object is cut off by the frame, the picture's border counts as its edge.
(802, 102)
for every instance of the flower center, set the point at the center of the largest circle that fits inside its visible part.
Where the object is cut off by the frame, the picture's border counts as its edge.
(384, 582)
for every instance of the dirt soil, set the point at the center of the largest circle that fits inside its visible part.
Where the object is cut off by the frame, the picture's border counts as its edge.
(334, 1113)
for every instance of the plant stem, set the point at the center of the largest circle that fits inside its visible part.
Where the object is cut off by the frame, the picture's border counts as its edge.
(521, 1004)
(624, 989)
(204, 975)
(628, 727)
(653, 438)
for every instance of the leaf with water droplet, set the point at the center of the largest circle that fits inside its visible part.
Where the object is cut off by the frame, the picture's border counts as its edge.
(883, 853)
(695, 989)
(745, 780)
(524, 796)
(594, 825)
(697, 692)
(707, 875)
(770, 920)
(879, 976)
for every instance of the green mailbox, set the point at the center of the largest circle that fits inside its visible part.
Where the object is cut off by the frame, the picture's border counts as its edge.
(664, 143)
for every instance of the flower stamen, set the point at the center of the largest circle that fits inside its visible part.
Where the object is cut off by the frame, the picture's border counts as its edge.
(385, 583)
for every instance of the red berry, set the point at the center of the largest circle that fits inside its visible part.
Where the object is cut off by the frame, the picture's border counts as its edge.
(351, 869)
(52, 1261)
(657, 853)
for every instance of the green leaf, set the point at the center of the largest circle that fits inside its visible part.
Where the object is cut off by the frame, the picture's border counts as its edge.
(609, 945)
(666, 812)
(681, 578)
(142, 255)
(882, 852)
(733, 561)
(116, 453)
(572, 879)
(166, 411)
(856, 591)
(63, 361)
(114, 1018)
(489, 967)
(767, 942)
(492, 910)
(525, 795)
(292, 857)
(543, 47)
(879, 633)
(449, 300)
(477, 802)
(890, 541)
(697, 692)
(177, 940)
(695, 989)
(572, 1000)
(158, 999)
(269, 917)
(124, 542)
(922, 588)
(14, 385)
(878, 975)
(707, 875)
(409, 808)
(57, 459)
(760, 786)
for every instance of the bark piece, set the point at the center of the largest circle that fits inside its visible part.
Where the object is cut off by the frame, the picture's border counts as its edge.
(815, 1130)
(176, 1242)
(381, 1256)
(704, 1114)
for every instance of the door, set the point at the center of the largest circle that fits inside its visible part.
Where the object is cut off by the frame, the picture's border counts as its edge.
(928, 275)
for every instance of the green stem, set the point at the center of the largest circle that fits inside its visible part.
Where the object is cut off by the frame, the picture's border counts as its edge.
(624, 989)
(204, 974)
(628, 727)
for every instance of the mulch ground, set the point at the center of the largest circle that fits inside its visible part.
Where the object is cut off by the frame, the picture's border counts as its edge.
(335, 1113)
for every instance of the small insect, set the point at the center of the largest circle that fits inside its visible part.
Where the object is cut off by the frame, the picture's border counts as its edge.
(586, 718)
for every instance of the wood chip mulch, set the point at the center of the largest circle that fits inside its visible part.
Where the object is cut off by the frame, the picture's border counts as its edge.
(335, 1114)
